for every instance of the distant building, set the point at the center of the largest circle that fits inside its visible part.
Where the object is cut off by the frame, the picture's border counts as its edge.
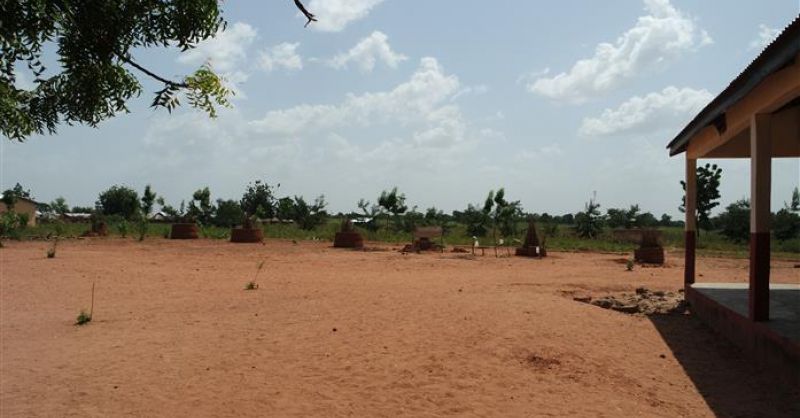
(23, 206)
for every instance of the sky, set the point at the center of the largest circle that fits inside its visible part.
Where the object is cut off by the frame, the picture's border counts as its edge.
(555, 101)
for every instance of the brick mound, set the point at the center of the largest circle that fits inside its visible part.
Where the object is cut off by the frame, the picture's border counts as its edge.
(184, 231)
(531, 247)
(348, 239)
(247, 235)
(649, 255)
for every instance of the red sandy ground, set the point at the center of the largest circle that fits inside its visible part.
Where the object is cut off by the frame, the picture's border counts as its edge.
(336, 332)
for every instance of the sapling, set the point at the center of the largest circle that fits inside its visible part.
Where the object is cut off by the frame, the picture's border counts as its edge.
(629, 265)
(252, 285)
(83, 317)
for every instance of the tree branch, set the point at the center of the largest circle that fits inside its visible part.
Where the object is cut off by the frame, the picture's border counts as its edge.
(127, 60)
(310, 16)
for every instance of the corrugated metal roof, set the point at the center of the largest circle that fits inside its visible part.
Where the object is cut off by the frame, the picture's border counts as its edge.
(777, 55)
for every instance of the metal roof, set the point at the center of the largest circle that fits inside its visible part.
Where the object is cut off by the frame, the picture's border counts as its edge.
(777, 55)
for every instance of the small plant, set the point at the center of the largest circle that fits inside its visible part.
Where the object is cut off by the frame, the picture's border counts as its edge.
(122, 227)
(83, 318)
(141, 227)
(252, 285)
(629, 265)
(51, 252)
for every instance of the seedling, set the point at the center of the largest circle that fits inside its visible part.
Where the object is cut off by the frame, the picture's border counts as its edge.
(83, 317)
(252, 285)
(629, 265)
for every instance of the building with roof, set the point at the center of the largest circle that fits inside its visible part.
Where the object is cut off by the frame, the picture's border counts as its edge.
(23, 206)
(756, 117)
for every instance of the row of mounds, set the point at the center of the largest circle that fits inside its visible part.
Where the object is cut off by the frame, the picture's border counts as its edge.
(249, 232)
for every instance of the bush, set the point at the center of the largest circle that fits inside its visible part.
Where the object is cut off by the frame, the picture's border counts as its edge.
(12, 224)
(786, 225)
(734, 223)
(119, 200)
(229, 213)
(306, 216)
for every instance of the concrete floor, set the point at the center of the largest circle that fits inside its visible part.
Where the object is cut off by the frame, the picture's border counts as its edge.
(784, 304)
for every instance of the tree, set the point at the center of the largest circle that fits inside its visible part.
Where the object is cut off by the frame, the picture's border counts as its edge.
(148, 200)
(94, 42)
(476, 220)
(306, 216)
(665, 220)
(119, 200)
(708, 178)
(285, 208)
(59, 206)
(502, 212)
(259, 200)
(589, 223)
(794, 205)
(392, 202)
(229, 213)
(734, 223)
(200, 207)
(10, 196)
(371, 212)
(645, 220)
(81, 209)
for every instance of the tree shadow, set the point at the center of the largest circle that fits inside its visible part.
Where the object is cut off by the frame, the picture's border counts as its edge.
(729, 382)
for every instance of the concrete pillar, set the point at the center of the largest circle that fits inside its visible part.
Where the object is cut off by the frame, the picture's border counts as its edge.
(690, 233)
(760, 185)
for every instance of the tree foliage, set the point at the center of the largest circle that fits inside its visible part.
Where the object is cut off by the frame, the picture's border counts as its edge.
(589, 223)
(734, 222)
(309, 216)
(708, 178)
(119, 200)
(148, 200)
(94, 42)
(229, 213)
(392, 202)
(200, 208)
(259, 200)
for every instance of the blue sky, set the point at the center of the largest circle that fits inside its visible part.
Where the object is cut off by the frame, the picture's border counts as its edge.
(444, 99)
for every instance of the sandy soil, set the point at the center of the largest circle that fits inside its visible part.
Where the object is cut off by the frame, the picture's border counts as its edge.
(343, 333)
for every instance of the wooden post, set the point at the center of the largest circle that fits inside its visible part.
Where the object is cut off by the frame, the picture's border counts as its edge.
(690, 233)
(760, 185)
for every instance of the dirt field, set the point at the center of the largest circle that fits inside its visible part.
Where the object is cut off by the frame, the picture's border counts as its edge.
(340, 333)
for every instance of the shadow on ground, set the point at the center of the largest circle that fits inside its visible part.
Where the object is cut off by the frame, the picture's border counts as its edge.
(729, 383)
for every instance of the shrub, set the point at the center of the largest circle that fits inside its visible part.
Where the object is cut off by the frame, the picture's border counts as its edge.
(306, 216)
(119, 200)
(229, 213)
(734, 223)
(589, 223)
(122, 228)
(259, 200)
(83, 318)
(786, 225)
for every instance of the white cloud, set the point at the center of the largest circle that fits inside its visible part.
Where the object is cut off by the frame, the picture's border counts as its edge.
(367, 52)
(225, 52)
(283, 55)
(418, 100)
(766, 35)
(655, 111)
(659, 37)
(335, 15)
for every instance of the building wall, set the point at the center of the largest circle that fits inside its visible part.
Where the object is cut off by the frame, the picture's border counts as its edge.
(23, 206)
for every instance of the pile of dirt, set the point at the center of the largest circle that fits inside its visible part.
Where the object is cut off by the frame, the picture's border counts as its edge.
(642, 302)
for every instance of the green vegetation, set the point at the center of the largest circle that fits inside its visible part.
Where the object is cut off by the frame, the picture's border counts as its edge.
(708, 179)
(83, 318)
(94, 43)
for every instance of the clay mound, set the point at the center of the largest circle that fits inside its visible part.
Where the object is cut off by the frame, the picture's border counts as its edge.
(348, 239)
(184, 231)
(247, 235)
